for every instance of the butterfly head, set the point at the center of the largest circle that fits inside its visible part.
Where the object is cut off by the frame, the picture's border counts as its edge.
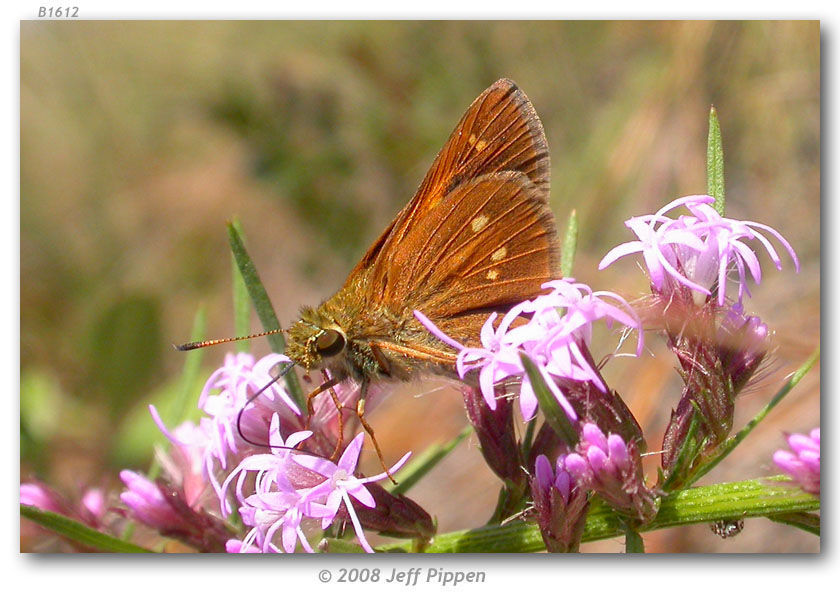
(314, 341)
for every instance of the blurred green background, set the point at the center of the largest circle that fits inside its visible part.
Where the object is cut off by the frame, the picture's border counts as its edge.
(139, 140)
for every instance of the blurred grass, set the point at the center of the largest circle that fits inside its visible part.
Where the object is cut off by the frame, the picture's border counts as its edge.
(140, 140)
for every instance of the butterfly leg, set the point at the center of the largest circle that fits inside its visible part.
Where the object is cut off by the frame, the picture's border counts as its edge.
(360, 412)
(327, 385)
(338, 407)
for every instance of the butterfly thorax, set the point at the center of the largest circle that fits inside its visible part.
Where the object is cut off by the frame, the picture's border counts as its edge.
(361, 341)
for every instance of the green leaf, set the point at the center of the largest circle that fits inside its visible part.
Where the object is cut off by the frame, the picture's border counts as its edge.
(554, 414)
(78, 532)
(714, 164)
(570, 240)
(418, 467)
(241, 304)
(265, 311)
(802, 520)
(737, 500)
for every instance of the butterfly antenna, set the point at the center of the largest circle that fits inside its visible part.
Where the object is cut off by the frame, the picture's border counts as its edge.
(206, 343)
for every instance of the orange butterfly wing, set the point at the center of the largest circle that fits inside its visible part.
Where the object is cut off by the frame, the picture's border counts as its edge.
(478, 236)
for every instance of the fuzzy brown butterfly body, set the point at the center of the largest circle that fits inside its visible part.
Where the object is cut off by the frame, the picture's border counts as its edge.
(477, 237)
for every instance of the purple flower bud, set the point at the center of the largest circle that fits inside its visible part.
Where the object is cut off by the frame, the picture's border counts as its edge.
(147, 503)
(560, 505)
(164, 508)
(612, 467)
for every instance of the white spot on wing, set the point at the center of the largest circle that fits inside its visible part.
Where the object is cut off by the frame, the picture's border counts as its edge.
(478, 223)
(499, 254)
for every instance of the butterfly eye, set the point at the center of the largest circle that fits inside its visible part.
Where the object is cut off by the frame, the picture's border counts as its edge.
(330, 342)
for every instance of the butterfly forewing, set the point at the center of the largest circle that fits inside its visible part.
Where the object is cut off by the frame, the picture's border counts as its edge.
(488, 244)
(499, 132)
(478, 236)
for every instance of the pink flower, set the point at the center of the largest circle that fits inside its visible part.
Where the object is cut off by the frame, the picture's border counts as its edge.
(559, 325)
(275, 467)
(290, 487)
(341, 484)
(803, 464)
(268, 512)
(238, 416)
(696, 251)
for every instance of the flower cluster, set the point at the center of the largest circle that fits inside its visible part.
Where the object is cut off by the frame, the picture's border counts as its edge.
(554, 331)
(248, 410)
(719, 347)
(558, 327)
(696, 251)
(290, 486)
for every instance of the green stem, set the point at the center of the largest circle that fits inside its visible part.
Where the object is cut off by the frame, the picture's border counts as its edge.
(738, 500)
(633, 542)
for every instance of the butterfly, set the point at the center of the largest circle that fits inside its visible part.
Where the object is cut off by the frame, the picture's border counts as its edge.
(477, 237)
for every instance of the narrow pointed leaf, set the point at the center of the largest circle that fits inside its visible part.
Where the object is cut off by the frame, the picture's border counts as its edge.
(241, 304)
(265, 311)
(567, 257)
(418, 467)
(78, 532)
(714, 163)
(554, 414)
